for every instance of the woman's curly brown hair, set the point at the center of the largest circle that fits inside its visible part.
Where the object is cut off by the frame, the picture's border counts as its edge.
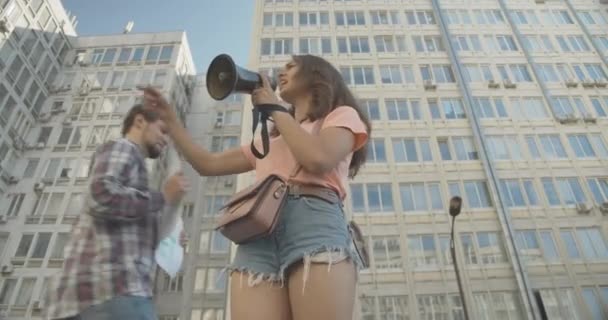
(329, 91)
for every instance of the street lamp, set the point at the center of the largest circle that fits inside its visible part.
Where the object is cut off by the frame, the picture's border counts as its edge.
(455, 206)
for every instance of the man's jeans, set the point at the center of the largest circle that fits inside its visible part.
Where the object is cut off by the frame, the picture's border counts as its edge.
(118, 308)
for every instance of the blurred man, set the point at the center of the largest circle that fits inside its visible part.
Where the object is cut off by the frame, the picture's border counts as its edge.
(109, 264)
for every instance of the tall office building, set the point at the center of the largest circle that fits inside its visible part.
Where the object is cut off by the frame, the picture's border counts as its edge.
(504, 103)
(61, 96)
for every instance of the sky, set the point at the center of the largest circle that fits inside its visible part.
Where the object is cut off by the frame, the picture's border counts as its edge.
(212, 26)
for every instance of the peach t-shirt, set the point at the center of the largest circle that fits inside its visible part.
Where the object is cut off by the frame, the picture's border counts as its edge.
(281, 161)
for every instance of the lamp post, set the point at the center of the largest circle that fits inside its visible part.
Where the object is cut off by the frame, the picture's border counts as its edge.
(455, 206)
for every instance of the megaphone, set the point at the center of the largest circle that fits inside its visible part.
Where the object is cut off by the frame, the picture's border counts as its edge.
(224, 78)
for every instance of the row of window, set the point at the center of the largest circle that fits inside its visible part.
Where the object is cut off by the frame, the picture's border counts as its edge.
(507, 147)
(47, 204)
(430, 251)
(580, 244)
(127, 55)
(25, 82)
(488, 305)
(428, 43)
(425, 197)
(36, 246)
(552, 17)
(348, 18)
(19, 292)
(114, 80)
(518, 108)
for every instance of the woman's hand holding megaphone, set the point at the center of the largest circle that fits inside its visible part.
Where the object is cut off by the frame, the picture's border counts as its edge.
(264, 95)
(155, 100)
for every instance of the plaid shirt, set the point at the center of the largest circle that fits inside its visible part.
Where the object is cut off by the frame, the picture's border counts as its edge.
(111, 251)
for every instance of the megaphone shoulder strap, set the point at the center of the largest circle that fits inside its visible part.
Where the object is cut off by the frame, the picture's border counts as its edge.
(261, 113)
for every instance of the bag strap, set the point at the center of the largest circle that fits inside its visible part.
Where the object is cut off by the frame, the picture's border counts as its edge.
(261, 113)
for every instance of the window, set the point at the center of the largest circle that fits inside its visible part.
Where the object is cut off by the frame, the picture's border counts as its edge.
(25, 292)
(438, 73)
(42, 243)
(528, 108)
(314, 18)
(535, 249)
(138, 55)
(282, 46)
(421, 196)
(422, 251)
(439, 307)
(391, 74)
(60, 242)
(452, 108)
(386, 252)
(204, 240)
(173, 284)
(581, 145)
(384, 17)
(372, 197)
(428, 44)
(283, 19)
(96, 136)
(376, 151)
(165, 54)
(400, 109)
(477, 194)
(30, 169)
(350, 18)
(219, 243)
(370, 106)
(504, 148)
(108, 57)
(83, 168)
(599, 189)
(112, 133)
(153, 53)
(460, 43)
(6, 293)
(559, 303)
(489, 108)
(51, 168)
(160, 77)
(353, 44)
(129, 83)
(75, 204)
(15, 200)
(567, 193)
(405, 150)
(491, 248)
(592, 243)
(216, 280)
(552, 146)
(390, 43)
(24, 246)
(512, 190)
(358, 75)
(465, 149)
(593, 304)
(497, 305)
(600, 110)
(125, 54)
(393, 307)
(420, 17)
(315, 45)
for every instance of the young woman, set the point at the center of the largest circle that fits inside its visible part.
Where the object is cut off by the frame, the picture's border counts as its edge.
(306, 268)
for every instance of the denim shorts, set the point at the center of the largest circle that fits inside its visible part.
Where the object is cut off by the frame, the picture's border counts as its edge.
(309, 230)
